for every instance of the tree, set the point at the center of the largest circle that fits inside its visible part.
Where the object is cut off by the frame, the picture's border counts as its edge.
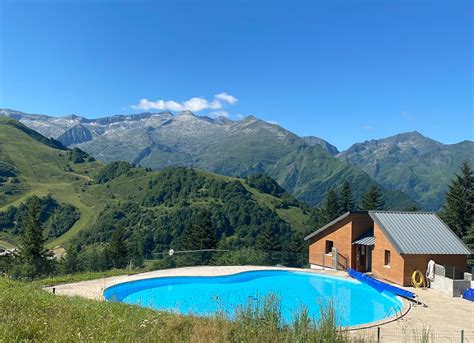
(347, 202)
(35, 259)
(269, 243)
(469, 240)
(297, 250)
(94, 259)
(458, 208)
(198, 235)
(331, 207)
(244, 256)
(117, 249)
(71, 263)
(372, 199)
(136, 250)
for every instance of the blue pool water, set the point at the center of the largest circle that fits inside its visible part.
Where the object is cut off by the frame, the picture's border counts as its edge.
(355, 303)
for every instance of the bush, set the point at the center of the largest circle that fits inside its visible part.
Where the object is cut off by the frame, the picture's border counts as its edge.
(244, 256)
(112, 171)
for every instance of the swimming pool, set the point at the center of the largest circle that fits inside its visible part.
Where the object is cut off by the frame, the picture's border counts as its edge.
(355, 303)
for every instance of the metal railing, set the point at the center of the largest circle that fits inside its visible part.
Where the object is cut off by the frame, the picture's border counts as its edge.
(221, 257)
(335, 260)
(383, 334)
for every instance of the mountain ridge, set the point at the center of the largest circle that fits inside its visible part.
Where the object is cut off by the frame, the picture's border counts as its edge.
(243, 147)
(90, 196)
(413, 163)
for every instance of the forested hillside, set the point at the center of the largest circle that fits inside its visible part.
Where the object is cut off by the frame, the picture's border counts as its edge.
(412, 163)
(304, 167)
(85, 204)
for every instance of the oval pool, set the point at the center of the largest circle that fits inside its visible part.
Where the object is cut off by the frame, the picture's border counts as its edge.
(355, 303)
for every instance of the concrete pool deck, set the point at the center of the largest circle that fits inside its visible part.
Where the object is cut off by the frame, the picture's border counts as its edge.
(441, 315)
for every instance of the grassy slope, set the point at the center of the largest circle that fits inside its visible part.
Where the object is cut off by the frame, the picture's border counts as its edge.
(42, 169)
(6, 245)
(293, 215)
(31, 314)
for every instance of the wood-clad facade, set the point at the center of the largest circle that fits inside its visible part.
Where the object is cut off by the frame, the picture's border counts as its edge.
(377, 254)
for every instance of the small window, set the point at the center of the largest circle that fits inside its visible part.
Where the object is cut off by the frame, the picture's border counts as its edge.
(387, 258)
(329, 245)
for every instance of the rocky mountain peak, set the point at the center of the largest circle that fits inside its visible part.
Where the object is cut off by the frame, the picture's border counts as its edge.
(186, 113)
(312, 140)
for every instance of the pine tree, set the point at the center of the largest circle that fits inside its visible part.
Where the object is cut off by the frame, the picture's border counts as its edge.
(347, 202)
(267, 241)
(136, 250)
(117, 249)
(35, 259)
(270, 244)
(331, 207)
(469, 240)
(198, 236)
(297, 250)
(458, 208)
(71, 263)
(372, 199)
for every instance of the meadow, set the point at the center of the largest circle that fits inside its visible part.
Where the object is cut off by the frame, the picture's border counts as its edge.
(30, 313)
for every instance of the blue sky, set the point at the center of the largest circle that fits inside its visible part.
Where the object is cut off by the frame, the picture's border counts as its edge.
(345, 71)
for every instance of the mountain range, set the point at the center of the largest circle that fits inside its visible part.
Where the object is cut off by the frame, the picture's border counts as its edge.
(410, 169)
(84, 201)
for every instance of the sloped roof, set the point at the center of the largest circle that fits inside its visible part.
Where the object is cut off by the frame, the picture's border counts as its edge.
(411, 232)
(328, 225)
(366, 239)
(419, 233)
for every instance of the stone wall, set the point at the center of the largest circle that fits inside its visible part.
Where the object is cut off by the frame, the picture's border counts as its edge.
(453, 288)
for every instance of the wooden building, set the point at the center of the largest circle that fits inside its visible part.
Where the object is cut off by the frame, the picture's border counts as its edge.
(390, 245)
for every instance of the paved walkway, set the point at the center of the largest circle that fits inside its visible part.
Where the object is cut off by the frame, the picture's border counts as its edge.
(442, 317)
(93, 289)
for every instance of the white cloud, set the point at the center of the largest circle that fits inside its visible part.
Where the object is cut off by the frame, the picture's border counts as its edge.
(195, 104)
(226, 97)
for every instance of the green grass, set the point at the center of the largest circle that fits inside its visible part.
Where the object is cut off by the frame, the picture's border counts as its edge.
(296, 217)
(61, 279)
(43, 170)
(32, 314)
(6, 245)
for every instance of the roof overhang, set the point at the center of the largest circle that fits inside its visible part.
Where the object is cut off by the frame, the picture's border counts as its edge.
(366, 239)
(335, 221)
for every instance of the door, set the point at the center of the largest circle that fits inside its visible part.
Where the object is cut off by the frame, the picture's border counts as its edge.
(361, 258)
(368, 258)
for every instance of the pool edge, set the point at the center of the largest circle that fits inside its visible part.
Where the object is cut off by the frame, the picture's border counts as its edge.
(403, 311)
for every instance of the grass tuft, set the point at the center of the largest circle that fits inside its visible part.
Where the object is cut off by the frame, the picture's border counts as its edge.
(32, 314)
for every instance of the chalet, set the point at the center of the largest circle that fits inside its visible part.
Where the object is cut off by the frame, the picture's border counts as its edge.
(390, 245)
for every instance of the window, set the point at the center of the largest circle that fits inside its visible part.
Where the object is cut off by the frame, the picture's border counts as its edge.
(387, 258)
(329, 245)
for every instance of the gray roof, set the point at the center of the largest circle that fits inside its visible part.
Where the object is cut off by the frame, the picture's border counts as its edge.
(419, 233)
(366, 239)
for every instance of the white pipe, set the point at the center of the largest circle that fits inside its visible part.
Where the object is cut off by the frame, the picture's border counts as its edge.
(430, 271)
